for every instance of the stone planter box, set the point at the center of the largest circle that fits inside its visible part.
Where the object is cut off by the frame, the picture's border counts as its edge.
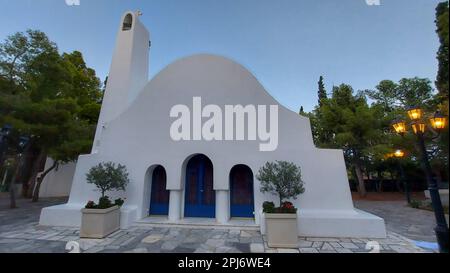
(99, 223)
(281, 230)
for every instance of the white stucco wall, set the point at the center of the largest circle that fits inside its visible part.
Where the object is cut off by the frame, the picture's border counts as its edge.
(58, 182)
(128, 73)
(139, 138)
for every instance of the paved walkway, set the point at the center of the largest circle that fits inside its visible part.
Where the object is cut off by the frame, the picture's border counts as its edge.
(146, 239)
(26, 214)
(415, 224)
(19, 232)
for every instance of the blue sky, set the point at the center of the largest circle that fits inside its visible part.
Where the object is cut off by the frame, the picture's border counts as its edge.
(287, 44)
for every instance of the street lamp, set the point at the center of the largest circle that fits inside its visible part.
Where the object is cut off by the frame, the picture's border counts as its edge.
(21, 145)
(418, 127)
(438, 123)
(399, 126)
(399, 154)
(415, 113)
(23, 142)
(6, 130)
(4, 134)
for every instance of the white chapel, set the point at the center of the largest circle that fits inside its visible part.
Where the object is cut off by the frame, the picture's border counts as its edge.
(198, 169)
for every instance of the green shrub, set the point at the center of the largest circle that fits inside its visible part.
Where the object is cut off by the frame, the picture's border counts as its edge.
(268, 207)
(104, 203)
(415, 204)
(107, 177)
(283, 179)
(119, 202)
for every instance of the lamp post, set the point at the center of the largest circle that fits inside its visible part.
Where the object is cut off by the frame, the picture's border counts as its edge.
(4, 134)
(400, 154)
(21, 145)
(438, 122)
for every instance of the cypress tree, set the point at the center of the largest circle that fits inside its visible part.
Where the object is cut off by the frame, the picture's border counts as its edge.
(322, 93)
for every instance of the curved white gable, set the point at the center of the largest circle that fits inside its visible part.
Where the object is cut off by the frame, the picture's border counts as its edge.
(145, 125)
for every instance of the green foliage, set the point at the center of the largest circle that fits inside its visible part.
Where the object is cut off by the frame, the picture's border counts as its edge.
(442, 27)
(104, 203)
(119, 202)
(19, 50)
(108, 177)
(54, 98)
(442, 78)
(90, 112)
(286, 207)
(301, 112)
(393, 99)
(415, 203)
(281, 178)
(346, 121)
(322, 93)
(268, 207)
(399, 96)
(350, 120)
(90, 205)
(85, 86)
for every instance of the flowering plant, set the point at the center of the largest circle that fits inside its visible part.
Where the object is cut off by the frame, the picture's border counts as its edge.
(286, 207)
(107, 177)
(283, 179)
(104, 203)
(90, 205)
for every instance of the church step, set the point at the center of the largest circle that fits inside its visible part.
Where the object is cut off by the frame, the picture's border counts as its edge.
(207, 223)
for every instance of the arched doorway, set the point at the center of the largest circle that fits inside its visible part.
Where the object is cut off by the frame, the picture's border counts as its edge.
(159, 200)
(241, 192)
(199, 191)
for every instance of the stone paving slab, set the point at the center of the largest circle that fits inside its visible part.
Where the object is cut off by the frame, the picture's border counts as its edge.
(415, 224)
(20, 232)
(187, 240)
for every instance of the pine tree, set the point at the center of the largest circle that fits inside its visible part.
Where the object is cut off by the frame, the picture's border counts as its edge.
(301, 112)
(322, 93)
(442, 54)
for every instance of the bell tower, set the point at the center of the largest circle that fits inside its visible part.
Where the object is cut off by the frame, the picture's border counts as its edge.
(128, 73)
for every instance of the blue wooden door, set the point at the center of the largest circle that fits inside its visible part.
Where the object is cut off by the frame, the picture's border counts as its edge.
(199, 192)
(241, 186)
(159, 201)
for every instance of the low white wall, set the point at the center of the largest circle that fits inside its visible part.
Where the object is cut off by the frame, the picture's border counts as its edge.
(442, 193)
(341, 224)
(58, 182)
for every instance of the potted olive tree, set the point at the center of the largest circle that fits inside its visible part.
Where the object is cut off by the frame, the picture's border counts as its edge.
(100, 220)
(283, 179)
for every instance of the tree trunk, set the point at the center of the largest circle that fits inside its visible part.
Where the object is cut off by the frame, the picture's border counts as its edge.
(30, 157)
(398, 182)
(36, 168)
(12, 195)
(359, 176)
(381, 186)
(12, 184)
(39, 180)
(380, 181)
